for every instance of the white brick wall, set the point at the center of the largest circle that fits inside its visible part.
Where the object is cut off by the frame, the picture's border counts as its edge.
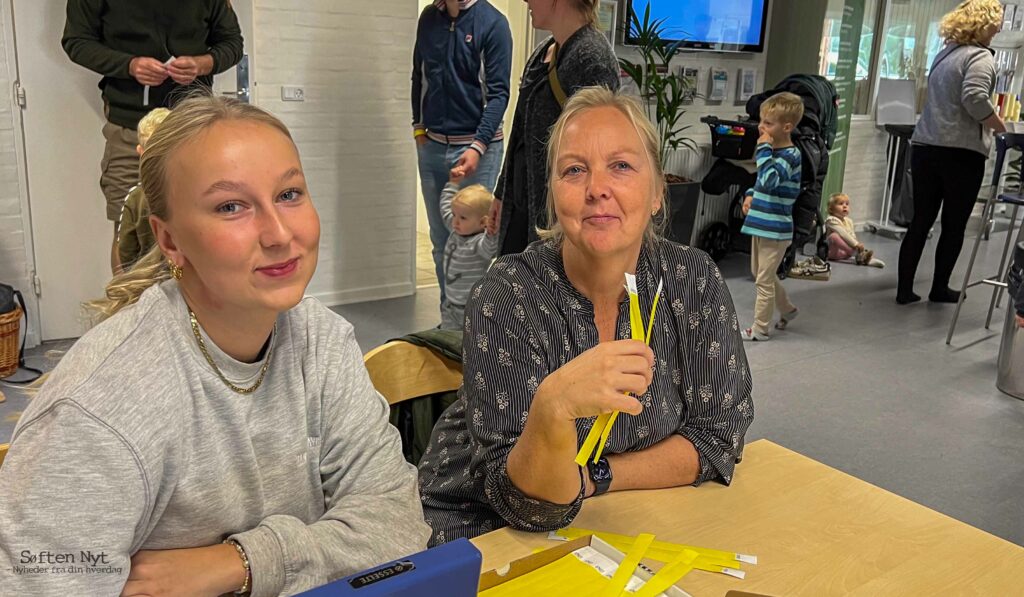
(14, 259)
(864, 181)
(728, 109)
(353, 132)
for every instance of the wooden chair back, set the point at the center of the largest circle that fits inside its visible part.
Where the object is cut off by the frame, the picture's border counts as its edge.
(402, 371)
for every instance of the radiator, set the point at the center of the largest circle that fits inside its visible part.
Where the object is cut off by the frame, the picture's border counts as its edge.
(694, 165)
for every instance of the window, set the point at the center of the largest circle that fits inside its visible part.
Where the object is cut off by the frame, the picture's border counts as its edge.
(905, 48)
(830, 49)
(912, 41)
(899, 40)
(874, 15)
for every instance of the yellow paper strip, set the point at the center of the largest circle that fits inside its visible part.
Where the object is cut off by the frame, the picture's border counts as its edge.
(591, 440)
(636, 328)
(647, 340)
(669, 575)
(599, 433)
(636, 324)
(567, 576)
(663, 551)
(654, 311)
(625, 571)
(605, 435)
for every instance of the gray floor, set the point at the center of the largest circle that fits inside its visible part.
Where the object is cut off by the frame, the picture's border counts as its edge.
(858, 383)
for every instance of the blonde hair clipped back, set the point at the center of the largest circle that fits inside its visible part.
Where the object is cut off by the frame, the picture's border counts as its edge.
(587, 99)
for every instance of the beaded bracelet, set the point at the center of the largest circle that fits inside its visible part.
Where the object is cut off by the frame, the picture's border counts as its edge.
(245, 564)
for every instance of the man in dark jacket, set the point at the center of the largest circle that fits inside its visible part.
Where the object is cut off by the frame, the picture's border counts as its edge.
(148, 51)
(462, 63)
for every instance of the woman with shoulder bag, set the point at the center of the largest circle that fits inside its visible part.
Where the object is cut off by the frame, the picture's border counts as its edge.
(577, 55)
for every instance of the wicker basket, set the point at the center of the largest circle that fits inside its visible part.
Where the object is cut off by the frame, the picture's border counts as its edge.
(10, 333)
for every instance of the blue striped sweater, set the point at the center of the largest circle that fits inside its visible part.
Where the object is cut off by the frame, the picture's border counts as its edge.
(776, 189)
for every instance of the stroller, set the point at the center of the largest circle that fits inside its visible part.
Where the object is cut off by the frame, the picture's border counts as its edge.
(814, 136)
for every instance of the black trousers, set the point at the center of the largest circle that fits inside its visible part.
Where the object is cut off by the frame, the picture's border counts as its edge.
(946, 177)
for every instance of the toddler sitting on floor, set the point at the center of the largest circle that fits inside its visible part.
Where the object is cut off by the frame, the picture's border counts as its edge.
(842, 238)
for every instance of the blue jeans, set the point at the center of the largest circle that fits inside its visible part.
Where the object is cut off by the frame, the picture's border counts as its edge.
(436, 160)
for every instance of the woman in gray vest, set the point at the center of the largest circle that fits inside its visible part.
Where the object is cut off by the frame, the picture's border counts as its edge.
(952, 140)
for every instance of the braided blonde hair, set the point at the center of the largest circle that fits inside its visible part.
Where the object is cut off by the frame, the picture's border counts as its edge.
(187, 120)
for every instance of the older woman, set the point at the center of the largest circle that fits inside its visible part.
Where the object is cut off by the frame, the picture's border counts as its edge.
(952, 140)
(577, 55)
(218, 432)
(546, 349)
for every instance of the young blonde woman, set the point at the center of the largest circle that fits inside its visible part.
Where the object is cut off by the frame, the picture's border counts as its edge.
(952, 140)
(218, 432)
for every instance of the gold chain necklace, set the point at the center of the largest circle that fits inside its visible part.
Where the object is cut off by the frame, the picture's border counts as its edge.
(216, 369)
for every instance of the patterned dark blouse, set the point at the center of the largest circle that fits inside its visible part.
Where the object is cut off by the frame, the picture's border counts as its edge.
(525, 320)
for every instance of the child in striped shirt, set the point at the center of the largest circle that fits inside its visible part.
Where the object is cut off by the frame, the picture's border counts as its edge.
(470, 249)
(769, 210)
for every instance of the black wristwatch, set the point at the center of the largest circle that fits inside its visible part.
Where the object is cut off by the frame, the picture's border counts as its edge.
(600, 475)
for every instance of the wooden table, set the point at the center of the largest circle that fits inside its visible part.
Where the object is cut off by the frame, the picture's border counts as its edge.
(815, 530)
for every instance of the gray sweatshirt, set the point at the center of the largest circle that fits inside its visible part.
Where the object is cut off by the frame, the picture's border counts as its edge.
(959, 97)
(134, 443)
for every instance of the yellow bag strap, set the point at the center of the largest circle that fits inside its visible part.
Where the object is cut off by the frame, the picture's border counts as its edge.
(556, 85)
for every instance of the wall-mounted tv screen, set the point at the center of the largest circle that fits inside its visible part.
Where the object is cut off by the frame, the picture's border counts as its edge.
(715, 25)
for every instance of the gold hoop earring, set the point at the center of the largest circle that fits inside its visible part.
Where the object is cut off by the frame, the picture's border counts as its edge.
(176, 271)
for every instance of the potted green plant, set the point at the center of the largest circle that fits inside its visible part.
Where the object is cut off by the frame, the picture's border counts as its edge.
(664, 94)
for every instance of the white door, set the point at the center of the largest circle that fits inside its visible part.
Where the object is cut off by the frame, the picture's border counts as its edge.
(63, 146)
(62, 122)
(232, 82)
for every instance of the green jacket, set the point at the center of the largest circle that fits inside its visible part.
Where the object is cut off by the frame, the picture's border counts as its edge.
(415, 418)
(134, 234)
(104, 36)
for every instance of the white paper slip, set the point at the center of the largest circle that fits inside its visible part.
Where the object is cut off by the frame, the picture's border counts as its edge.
(145, 90)
(607, 567)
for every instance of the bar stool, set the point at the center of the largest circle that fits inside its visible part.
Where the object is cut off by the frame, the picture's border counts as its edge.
(1004, 142)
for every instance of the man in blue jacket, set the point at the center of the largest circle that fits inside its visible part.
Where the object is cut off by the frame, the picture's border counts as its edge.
(462, 62)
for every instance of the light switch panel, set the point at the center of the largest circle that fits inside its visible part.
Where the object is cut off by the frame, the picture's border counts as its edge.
(292, 93)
